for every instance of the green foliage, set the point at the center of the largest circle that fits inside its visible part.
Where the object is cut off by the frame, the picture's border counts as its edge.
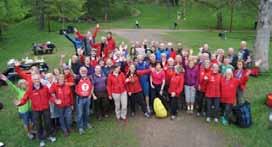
(63, 9)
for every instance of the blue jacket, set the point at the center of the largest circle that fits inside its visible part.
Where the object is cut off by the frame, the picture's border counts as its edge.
(76, 42)
(144, 79)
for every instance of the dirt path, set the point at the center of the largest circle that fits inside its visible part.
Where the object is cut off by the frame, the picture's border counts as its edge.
(185, 131)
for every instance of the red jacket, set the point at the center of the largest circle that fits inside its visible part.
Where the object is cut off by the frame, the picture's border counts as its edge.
(228, 90)
(39, 98)
(69, 79)
(64, 93)
(242, 77)
(109, 47)
(116, 84)
(201, 81)
(173, 54)
(133, 84)
(84, 87)
(176, 84)
(169, 73)
(23, 74)
(213, 85)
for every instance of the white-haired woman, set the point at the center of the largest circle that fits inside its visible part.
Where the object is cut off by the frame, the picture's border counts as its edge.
(229, 86)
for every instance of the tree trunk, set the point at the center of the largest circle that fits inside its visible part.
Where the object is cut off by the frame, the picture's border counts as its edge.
(219, 19)
(106, 15)
(261, 45)
(1, 32)
(48, 24)
(232, 4)
(41, 14)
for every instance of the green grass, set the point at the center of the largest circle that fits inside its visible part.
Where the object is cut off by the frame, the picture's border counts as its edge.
(17, 45)
(258, 135)
(197, 17)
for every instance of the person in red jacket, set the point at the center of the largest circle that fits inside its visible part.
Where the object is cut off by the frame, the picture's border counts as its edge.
(242, 75)
(205, 71)
(175, 88)
(110, 45)
(84, 92)
(228, 87)
(213, 93)
(40, 96)
(62, 91)
(135, 92)
(117, 91)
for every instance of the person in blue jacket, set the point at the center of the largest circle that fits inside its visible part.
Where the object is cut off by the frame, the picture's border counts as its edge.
(142, 66)
(75, 41)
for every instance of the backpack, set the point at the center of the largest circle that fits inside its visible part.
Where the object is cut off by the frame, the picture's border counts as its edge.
(159, 109)
(242, 113)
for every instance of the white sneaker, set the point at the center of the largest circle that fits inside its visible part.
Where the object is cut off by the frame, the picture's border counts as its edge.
(216, 120)
(52, 139)
(2, 144)
(42, 144)
(30, 136)
(208, 120)
(89, 126)
(81, 131)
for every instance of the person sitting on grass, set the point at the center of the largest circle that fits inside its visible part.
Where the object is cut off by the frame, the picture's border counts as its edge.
(25, 112)
(39, 96)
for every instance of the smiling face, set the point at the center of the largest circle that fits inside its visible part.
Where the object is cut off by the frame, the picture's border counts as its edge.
(36, 79)
(215, 68)
(97, 70)
(61, 79)
(83, 71)
(240, 65)
(132, 68)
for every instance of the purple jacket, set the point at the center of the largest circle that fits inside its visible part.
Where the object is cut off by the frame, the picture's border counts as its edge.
(191, 75)
(99, 83)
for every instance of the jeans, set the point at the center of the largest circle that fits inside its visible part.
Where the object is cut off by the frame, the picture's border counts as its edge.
(190, 92)
(65, 118)
(27, 118)
(120, 101)
(83, 111)
(227, 110)
(139, 99)
(173, 105)
(215, 101)
(42, 122)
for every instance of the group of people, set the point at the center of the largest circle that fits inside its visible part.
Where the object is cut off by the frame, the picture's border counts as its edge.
(102, 76)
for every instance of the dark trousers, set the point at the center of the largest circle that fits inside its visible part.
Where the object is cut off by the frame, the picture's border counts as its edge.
(139, 99)
(174, 105)
(227, 110)
(213, 103)
(101, 104)
(42, 122)
(201, 102)
(155, 93)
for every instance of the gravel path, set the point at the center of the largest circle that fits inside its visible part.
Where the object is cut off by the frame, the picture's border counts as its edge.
(187, 130)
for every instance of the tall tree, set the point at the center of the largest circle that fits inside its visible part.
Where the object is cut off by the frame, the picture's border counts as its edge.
(217, 5)
(10, 11)
(263, 33)
(62, 10)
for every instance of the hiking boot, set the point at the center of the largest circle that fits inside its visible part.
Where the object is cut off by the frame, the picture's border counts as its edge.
(30, 136)
(42, 144)
(208, 119)
(146, 114)
(52, 139)
(173, 117)
(81, 131)
(216, 120)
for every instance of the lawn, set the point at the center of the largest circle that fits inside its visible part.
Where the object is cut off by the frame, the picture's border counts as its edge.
(258, 135)
(197, 17)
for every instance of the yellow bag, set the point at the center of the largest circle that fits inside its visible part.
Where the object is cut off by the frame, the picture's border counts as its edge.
(159, 109)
